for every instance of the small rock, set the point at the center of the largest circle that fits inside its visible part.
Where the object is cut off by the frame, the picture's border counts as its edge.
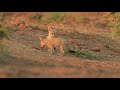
(96, 49)
(22, 26)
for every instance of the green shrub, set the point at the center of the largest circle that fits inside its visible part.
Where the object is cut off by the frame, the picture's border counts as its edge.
(2, 34)
(85, 54)
(115, 32)
(53, 17)
(57, 16)
(1, 16)
(115, 25)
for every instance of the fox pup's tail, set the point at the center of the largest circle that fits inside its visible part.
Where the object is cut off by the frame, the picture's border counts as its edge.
(40, 38)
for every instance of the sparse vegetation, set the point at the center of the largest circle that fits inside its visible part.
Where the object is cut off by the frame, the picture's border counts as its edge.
(36, 17)
(52, 17)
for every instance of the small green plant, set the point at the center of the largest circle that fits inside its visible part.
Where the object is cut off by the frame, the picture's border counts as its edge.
(99, 25)
(0, 26)
(85, 54)
(115, 32)
(4, 53)
(85, 20)
(2, 34)
(79, 19)
(1, 16)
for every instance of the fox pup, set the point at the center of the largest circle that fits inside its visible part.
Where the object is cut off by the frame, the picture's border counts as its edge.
(51, 34)
(54, 42)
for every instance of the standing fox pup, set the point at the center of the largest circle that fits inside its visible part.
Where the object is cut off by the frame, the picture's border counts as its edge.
(54, 42)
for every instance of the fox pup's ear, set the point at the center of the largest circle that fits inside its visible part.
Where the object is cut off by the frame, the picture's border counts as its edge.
(40, 38)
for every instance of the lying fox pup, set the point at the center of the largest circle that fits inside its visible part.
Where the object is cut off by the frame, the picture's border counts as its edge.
(54, 42)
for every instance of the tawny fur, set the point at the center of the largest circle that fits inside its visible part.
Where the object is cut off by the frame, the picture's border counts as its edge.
(54, 42)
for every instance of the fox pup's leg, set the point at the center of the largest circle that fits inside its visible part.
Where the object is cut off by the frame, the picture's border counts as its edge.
(61, 50)
(51, 49)
(61, 53)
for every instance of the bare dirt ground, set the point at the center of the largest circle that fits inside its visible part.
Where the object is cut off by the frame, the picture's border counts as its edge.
(27, 60)
(57, 67)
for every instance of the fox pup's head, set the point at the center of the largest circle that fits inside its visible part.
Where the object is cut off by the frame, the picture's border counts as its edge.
(51, 33)
(43, 42)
